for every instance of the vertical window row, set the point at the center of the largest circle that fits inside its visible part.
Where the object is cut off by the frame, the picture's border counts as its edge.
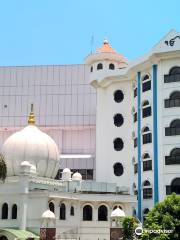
(118, 143)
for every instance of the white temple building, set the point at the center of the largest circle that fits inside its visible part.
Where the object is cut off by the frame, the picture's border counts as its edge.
(99, 135)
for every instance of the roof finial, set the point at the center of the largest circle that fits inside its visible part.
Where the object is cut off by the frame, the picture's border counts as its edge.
(31, 118)
(105, 41)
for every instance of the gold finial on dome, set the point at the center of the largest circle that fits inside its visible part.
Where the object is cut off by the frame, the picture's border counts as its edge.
(31, 118)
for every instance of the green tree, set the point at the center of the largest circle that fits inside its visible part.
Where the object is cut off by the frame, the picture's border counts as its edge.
(3, 169)
(164, 216)
(129, 225)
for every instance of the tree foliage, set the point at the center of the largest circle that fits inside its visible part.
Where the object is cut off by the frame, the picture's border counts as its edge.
(164, 216)
(129, 225)
(3, 168)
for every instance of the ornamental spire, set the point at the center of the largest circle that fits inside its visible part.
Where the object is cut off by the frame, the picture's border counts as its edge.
(31, 118)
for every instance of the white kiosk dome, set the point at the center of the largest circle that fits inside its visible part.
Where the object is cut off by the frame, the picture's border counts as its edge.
(48, 215)
(33, 146)
(117, 213)
(66, 170)
(77, 177)
(66, 174)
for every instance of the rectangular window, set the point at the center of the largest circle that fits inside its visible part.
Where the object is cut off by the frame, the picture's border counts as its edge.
(172, 160)
(147, 165)
(146, 112)
(170, 131)
(135, 92)
(169, 103)
(135, 168)
(135, 117)
(135, 142)
(146, 86)
(147, 138)
(171, 78)
(147, 193)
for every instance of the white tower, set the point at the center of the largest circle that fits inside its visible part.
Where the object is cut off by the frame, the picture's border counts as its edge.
(114, 119)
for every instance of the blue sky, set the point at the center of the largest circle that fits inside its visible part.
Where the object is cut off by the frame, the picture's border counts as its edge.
(60, 31)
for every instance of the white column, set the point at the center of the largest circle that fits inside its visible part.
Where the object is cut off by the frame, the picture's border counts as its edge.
(24, 184)
(95, 213)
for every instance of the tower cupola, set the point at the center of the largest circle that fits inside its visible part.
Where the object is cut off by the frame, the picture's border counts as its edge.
(105, 62)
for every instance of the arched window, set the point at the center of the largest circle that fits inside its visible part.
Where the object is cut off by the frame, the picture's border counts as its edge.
(174, 71)
(87, 213)
(118, 144)
(118, 169)
(14, 211)
(118, 96)
(174, 157)
(145, 212)
(72, 211)
(173, 101)
(173, 129)
(146, 83)
(175, 95)
(147, 136)
(62, 215)
(147, 190)
(51, 207)
(102, 213)
(91, 69)
(99, 66)
(175, 186)
(173, 76)
(111, 66)
(118, 120)
(5, 211)
(146, 109)
(147, 162)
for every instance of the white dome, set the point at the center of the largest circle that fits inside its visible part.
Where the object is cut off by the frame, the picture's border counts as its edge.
(25, 163)
(33, 146)
(48, 215)
(77, 176)
(66, 170)
(117, 213)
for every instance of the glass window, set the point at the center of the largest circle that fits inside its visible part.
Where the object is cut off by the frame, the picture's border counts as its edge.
(118, 144)
(175, 186)
(14, 211)
(146, 85)
(146, 109)
(4, 211)
(111, 66)
(118, 169)
(173, 129)
(62, 212)
(102, 213)
(118, 120)
(118, 96)
(99, 66)
(174, 157)
(87, 213)
(173, 76)
(72, 211)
